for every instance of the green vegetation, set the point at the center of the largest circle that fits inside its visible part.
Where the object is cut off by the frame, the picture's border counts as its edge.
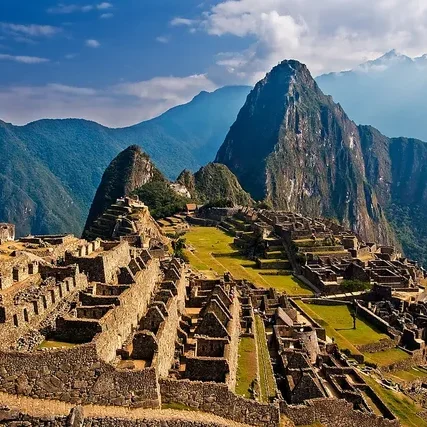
(178, 249)
(402, 406)
(338, 323)
(215, 182)
(214, 185)
(354, 285)
(53, 167)
(267, 381)
(213, 250)
(410, 225)
(418, 373)
(386, 357)
(339, 326)
(219, 203)
(161, 199)
(340, 319)
(247, 367)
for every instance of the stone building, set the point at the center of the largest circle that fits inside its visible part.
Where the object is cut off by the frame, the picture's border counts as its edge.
(7, 232)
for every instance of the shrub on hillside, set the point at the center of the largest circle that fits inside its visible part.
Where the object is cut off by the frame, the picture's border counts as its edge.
(355, 285)
(161, 199)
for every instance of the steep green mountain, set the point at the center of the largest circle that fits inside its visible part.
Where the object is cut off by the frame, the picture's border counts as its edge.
(214, 182)
(388, 93)
(30, 195)
(293, 146)
(130, 170)
(132, 173)
(74, 154)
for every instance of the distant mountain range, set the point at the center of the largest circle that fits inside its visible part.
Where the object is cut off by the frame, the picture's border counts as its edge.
(51, 168)
(389, 93)
(294, 147)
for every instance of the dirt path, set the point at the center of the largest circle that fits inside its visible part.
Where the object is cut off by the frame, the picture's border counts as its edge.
(43, 408)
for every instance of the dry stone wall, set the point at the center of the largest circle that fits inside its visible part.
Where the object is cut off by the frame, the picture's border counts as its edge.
(167, 335)
(10, 418)
(35, 305)
(232, 348)
(118, 323)
(76, 375)
(102, 267)
(333, 413)
(218, 399)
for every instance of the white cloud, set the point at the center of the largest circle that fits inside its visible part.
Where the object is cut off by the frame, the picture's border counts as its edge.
(23, 59)
(175, 89)
(71, 90)
(31, 30)
(183, 22)
(64, 9)
(162, 39)
(106, 15)
(104, 5)
(326, 35)
(70, 56)
(117, 106)
(92, 43)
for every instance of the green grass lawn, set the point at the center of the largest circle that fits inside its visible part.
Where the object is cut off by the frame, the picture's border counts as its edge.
(342, 342)
(387, 357)
(412, 374)
(214, 250)
(402, 406)
(267, 381)
(339, 318)
(247, 367)
(338, 324)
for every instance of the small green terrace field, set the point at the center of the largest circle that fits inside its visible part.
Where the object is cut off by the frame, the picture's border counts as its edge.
(339, 318)
(213, 250)
(338, 323)
(247, 366)
(387, 357)
(416, 373)
(402, 406)
(267, 381)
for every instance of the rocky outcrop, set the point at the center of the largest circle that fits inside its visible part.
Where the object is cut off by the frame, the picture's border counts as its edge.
(213, 183)
(130, 170)
(293, 146)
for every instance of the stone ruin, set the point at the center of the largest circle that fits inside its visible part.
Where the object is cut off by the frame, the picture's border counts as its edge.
(115, 320)
(7, 232)
(127, 219)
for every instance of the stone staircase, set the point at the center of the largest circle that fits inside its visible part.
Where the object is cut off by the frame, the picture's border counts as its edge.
(112, 222)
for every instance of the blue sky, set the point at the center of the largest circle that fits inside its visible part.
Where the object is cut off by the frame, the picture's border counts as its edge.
(120, 62)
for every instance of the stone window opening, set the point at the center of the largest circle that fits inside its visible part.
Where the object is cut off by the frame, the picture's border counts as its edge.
(44, 302)
(15, 320)
(26, 318)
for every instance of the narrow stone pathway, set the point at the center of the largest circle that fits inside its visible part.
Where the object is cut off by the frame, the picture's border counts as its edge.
(48, 408)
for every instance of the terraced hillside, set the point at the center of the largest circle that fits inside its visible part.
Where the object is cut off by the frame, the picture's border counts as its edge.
(212, 250)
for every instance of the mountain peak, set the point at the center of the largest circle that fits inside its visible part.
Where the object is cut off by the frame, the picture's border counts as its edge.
(287, 147)
(389, 59)
(290, 67)
(129, 170)
(391, 54)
